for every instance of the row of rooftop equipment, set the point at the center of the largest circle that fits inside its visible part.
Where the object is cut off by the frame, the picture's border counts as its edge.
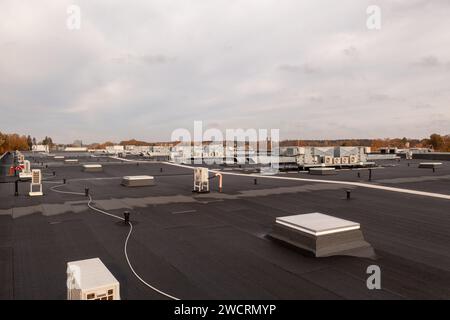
(288, 157)
(23, 167)
(331, 155)
(213, 153)
(300, 156)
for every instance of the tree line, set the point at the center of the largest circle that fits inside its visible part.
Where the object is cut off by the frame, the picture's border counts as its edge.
(14, 141)
(435, 141)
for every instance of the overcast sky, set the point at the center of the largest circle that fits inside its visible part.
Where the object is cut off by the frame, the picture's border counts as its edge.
(140, 69)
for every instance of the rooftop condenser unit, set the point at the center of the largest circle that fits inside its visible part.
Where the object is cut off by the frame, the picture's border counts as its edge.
(36, 181)
(201, 180)
(328, 160)
(26, 172)
(91, 280)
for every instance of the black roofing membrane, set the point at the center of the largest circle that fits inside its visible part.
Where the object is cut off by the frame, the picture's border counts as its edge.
(215, 246)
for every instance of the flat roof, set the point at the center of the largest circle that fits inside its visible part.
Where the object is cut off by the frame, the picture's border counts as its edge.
(215, 245)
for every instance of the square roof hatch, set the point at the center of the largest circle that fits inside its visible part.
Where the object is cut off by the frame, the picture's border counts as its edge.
(317, 223)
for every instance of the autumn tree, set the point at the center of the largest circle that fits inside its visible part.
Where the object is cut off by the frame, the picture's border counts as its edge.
(11, 142)
(436, 141)
(134, 142)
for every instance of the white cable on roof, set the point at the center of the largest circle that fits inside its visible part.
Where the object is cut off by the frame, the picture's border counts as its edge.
(126, 241)
(101, 211)
(65, 192)
(137, 276)
(349, 183)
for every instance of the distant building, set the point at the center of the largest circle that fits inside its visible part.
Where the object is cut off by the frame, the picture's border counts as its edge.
(115, 149)
(40, 148)
(137, 149)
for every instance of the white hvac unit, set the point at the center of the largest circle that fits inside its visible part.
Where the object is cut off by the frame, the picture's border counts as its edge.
(26, 172)
(345, 160)
(337, 160)
(91, 280)
(301, 159)
(36, 181)
(353, 159)
(201, 180)
(328, 160)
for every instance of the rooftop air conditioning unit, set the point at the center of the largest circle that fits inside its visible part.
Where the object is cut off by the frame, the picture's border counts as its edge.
(353, 159)
(201, 180)
(336, 160)
(26, 172)
(36, 181)
(328, 160)
(91, 280)
(345, 160)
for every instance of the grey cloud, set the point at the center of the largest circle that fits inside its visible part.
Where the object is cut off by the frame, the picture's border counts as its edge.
(429, 62)
(156, 59)
(316, 99)
(379, 97)
(144, 70)
(304, 68)
(423, 106)
(351, 52)
(147, 59)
